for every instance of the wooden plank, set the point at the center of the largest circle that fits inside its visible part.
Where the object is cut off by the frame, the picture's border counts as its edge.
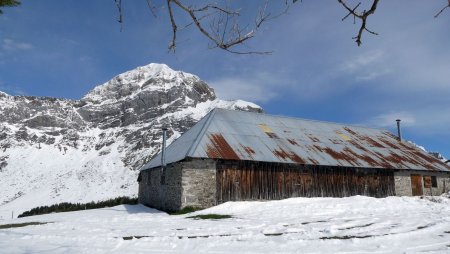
(245, 180)
(416, 185)
(427, 181)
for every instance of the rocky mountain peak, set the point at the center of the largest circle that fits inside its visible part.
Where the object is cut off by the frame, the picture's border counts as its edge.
(152, 78)
(57, 150)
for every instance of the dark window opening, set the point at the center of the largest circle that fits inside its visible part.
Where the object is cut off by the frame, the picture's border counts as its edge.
(434, 181)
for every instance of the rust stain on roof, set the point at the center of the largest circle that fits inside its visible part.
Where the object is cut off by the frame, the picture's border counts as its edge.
(219, 148)
(336, 141)
(429, 159)
(314, 161)
(350, 131)
(288, 155)
(368, 139)
(394, 158)
(272, 135)
(313, 139)
(292, 141)
(318, 148)
(341, 156)
(248, 150)
(387, 142)
(357, 145)
(371, 141)
(365, 158)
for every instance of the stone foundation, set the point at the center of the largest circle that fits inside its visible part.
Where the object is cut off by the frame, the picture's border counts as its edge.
(187, 183)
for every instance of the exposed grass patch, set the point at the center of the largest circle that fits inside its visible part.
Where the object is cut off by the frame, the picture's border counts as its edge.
(69, 207)
(211, 216)
(126, 238)
(359, 226)
(345, 237)
(273, 234)
(187, 209)
(309, 222)
(19, 225)
(203, 236)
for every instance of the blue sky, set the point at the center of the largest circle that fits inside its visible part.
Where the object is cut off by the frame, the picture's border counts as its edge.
(65, 48)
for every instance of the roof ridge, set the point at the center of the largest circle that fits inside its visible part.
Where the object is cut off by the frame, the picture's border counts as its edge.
(304, 119)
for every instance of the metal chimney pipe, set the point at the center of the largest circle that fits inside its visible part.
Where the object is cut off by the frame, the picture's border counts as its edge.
(163, 149)
(398, 130)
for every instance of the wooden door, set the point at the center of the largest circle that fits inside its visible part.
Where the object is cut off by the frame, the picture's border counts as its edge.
(416, 185)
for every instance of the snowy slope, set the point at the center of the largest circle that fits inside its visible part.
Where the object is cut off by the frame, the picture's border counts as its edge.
(298, 225)
(57, 150)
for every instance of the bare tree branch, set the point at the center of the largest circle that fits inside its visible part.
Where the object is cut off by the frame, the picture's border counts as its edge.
(223, 28)
(361, 16)
(445, 7)
(119, 9)
(219, 43)
(172, 44)
(152, 7)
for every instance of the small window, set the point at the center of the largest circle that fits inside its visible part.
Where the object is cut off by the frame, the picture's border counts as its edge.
(429, 181)
(434, 181)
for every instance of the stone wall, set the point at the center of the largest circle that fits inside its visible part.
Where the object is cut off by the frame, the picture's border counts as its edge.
(443, 182)
(188, 183)
(199, 183)
(403, 183)
(164, 196)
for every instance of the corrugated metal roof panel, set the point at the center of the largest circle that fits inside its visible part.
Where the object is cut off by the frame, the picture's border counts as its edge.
(181, 147)
(239, 135)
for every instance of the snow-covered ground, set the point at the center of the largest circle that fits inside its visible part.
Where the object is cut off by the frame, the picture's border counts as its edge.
(298, 225)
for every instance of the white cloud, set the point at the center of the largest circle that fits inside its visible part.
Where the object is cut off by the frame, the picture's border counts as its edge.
(259, 86)
(388, 119)
(362, 61)
(366, 66)
(9, 44)
(242, 88)
(370, 75)
(429, 121)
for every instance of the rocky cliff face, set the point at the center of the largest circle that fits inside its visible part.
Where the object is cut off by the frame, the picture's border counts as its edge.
(56, 150)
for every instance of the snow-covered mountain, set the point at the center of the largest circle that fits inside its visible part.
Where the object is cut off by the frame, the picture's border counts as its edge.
(57, 150)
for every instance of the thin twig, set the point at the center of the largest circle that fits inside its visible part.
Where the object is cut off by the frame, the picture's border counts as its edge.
(119, 8)
(172, 45)
(152, 7)
(361, 16)
(445, 7)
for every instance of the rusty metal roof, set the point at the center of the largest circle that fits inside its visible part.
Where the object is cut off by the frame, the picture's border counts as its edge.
(238, 135)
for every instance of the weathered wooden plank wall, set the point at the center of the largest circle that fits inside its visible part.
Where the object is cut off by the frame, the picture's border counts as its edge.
(248, 180)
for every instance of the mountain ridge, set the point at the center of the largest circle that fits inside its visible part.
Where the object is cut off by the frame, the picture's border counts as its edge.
(63, 150)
